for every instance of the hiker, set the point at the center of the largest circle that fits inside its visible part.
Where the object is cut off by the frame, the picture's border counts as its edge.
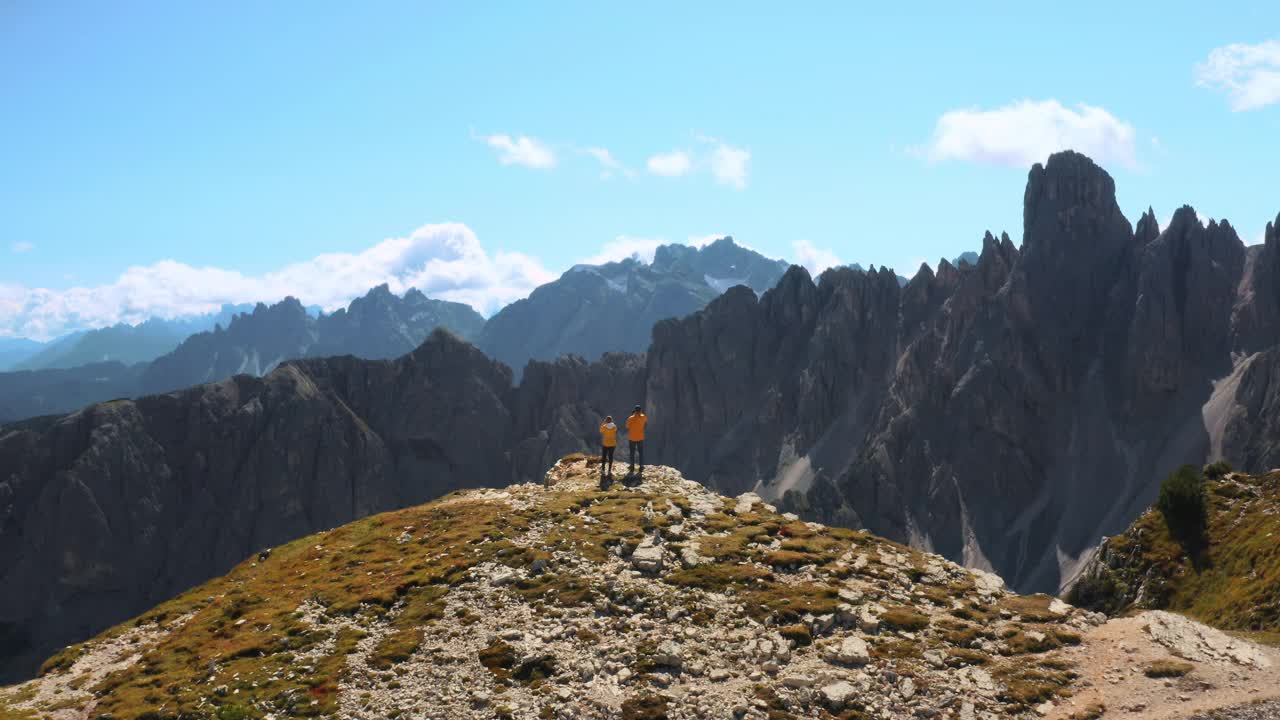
(635, 437)
(608, 443)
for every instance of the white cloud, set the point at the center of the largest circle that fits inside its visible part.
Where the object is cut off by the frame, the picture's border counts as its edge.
(22, 246)
(626, 246)
(672, 164)
(1249, 74)
(522, 150)
(1027, 132)
(642, 248)
(729, 165)
(813, 258)
(444, 261)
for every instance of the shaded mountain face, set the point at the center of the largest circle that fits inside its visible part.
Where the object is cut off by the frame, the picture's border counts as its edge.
(126, 503)
(32, 393)
(594, 309)
(378, 325)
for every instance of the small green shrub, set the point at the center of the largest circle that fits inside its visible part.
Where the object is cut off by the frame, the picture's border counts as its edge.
(1218, 470)
(1182, 504)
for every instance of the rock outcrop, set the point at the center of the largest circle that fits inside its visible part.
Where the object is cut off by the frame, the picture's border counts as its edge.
(1227, 574)
(562, 600)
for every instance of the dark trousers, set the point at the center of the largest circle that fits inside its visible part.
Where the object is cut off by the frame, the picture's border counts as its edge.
(637, 449)
(606, 456)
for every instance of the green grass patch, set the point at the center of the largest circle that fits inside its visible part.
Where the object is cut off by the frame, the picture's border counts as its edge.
(395, 648)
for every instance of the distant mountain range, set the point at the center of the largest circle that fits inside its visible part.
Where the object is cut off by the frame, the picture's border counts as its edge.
(594, 309)
(122, 343)
(16, 350)
(590, 310)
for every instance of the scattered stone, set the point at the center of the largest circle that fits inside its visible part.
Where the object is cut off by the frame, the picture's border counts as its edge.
(647, 556)
(837, 694)
(852, 650)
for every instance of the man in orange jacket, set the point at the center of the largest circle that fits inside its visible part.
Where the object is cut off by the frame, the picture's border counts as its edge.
(608, 443)
(635, 437)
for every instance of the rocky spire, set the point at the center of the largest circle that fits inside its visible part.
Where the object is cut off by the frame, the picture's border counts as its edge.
(1148, 228)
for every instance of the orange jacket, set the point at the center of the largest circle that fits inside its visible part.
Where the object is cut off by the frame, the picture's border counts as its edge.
(635, 426)
(609, 435)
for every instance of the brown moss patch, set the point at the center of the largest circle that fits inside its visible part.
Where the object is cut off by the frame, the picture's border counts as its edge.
(1167, 668)
(644, 707)
(904, 619)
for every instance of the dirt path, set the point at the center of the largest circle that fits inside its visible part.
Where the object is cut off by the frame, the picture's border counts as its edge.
(1113, 659)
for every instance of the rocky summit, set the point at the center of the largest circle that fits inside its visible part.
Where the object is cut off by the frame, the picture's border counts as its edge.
(651, 598)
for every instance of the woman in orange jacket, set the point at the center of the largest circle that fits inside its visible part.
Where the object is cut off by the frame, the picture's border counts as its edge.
(608, 441)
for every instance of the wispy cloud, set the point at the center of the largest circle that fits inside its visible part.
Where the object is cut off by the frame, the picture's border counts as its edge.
(1027, 132)
(521, 150)
(1249, 74)
(608, 163)
(671, 164)
(22, 246)
(813, 258)
(444, 261)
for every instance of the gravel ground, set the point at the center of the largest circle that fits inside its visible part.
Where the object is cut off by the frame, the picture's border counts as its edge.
(1268, 710)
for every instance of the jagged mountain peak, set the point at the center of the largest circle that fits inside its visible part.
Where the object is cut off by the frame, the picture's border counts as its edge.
(1148, 228)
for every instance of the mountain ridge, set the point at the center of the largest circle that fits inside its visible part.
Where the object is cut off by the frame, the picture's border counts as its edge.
(652, 598)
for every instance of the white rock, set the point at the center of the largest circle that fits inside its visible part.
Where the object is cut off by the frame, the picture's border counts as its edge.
(718, 675)
(797, 681)
(852, 650)
(503, 576)
(690, 557)
(837, 694)
(647, 556)
(869, 618)
(668, 654)
(986, 582)
(1057, 607)
(745, 501)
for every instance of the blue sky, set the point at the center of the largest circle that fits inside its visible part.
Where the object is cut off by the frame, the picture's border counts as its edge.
(157, 159)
